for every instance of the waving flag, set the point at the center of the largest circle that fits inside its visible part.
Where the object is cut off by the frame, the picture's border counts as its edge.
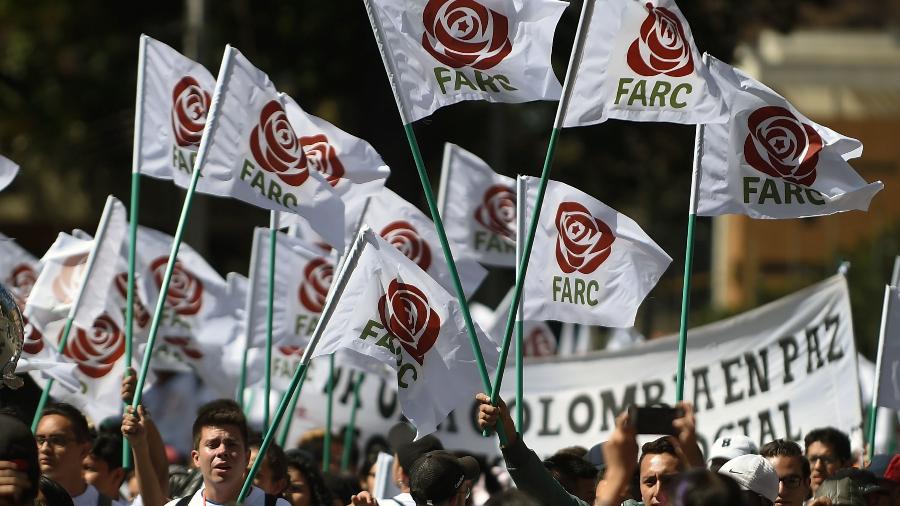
(18, 269)
(639, 63)
(8, 171)
(478, 207)
(590, 264)
(440, 52)
(254, 154)
(392, 312)
(771, 161)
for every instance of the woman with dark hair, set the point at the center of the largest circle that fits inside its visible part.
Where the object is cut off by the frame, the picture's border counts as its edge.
(306, 487)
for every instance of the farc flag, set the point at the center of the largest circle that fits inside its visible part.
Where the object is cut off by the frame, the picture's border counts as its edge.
(888, 366)
(18, 269)
(590, 264)
(440, 52)
(771, 161)
(638, 62)
(392, 312)
(8, 171)
(173, 98)
(538, 339)
(478, 207)
(253, 153)
(303, 275)
(402, 224)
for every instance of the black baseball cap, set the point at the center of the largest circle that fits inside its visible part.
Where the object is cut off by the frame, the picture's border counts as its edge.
(17, 445)
(437, 475)
(402, 437)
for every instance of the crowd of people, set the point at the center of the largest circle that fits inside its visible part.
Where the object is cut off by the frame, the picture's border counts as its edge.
(68, 462)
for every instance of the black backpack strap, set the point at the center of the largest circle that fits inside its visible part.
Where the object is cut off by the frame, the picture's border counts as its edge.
(271, 500)
(102, 500)
(184, 500)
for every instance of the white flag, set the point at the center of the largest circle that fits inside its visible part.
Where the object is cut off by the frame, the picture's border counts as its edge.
(639, 63)
(303, 275)
(441, 52)
(889, 355)
(56, 287)
(8, 171)
(18, 269)
(410, 231)
(538, 339)
(392, 312)
(478, 207)
(590, 264)
(771, 161)
(174, 97)
(253, 154)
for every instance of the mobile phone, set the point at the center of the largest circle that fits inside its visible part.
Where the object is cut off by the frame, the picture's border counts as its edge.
(655, 419)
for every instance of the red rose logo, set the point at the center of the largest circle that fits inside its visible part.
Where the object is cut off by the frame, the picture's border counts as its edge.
(185, 345)
(406, 238)
(185, 293)
(406, 314)
(779, 145)
(96, 350)
(316, 281)
(21, 280)
(34, 340)
(190, 104)
(275, 146)
(291, 350)
(140, 314)
(321, 157)
(584, 241)
(69, 277)
(497, 211)
(464, 33)
(662, 47)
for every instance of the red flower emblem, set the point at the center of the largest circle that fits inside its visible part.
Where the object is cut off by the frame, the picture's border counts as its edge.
(69, 277)
(406, 314)
(185, 345)
(190, 104)
(662, 47)
(497, 211)
(321, 157)
(584, 241)
(779, 145)
(34, 340)
(314, 288)
(275, 146)
(464, 33)
(96, 350)
(21, 280)
(291, 350)
(406, 238)
(185, 293)
(141, 316)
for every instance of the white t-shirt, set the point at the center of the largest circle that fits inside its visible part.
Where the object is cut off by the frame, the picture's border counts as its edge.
(256, 498)
(405, 499)
(90, 496)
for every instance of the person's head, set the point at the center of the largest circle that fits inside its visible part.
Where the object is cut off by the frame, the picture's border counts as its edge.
(659, 458)
(576, 475)
(17, 445)
(792, 469)
(220, 446)
(701, 487)
(367, 473)
(827, 450)
(728, 447)
(272, 476)
(103, 465)
(313, 442)
(63, 441)
(406, 450)
(342, 487)
(440, 478)
(756, 476)
(306, 486)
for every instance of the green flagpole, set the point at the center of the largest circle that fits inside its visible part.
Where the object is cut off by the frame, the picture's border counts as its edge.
(432, 206)
(329, 413)
(571, 74)
(76, 302)
(249, 312)
(351, 425)
(338, 284)
(286, 428)
(521, 209)
(873, 408)
(273, 240)
(211, 124)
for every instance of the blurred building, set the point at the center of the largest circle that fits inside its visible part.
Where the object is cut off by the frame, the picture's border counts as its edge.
(850, 82)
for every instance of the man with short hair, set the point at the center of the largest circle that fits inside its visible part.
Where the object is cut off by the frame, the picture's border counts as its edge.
(103, 465)
(575, 474)
(827, 450)
(792, 470)
(221, 453)
(401, 438)
(439, 478)
(659, 459)
(63, 441)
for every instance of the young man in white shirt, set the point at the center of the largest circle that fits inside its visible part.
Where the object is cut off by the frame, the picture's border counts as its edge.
(222, 454)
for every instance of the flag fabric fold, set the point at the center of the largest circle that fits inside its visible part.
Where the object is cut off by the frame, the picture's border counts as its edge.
(888, 386)
(8, 171)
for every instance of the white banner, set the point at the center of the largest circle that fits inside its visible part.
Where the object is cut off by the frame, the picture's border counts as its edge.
(777, 371)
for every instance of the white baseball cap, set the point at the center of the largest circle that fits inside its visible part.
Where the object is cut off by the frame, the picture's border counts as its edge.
(729, 447)
(753, 472)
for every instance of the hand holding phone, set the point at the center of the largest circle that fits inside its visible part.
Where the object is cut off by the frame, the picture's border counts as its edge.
(655, 419)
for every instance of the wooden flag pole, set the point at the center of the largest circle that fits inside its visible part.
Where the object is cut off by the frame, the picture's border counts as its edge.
(270, 309)
(339, 283)
(432, 206)
(89, 267)
(521, 210)
(351, 425)
(329, 416)
(182, 222)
